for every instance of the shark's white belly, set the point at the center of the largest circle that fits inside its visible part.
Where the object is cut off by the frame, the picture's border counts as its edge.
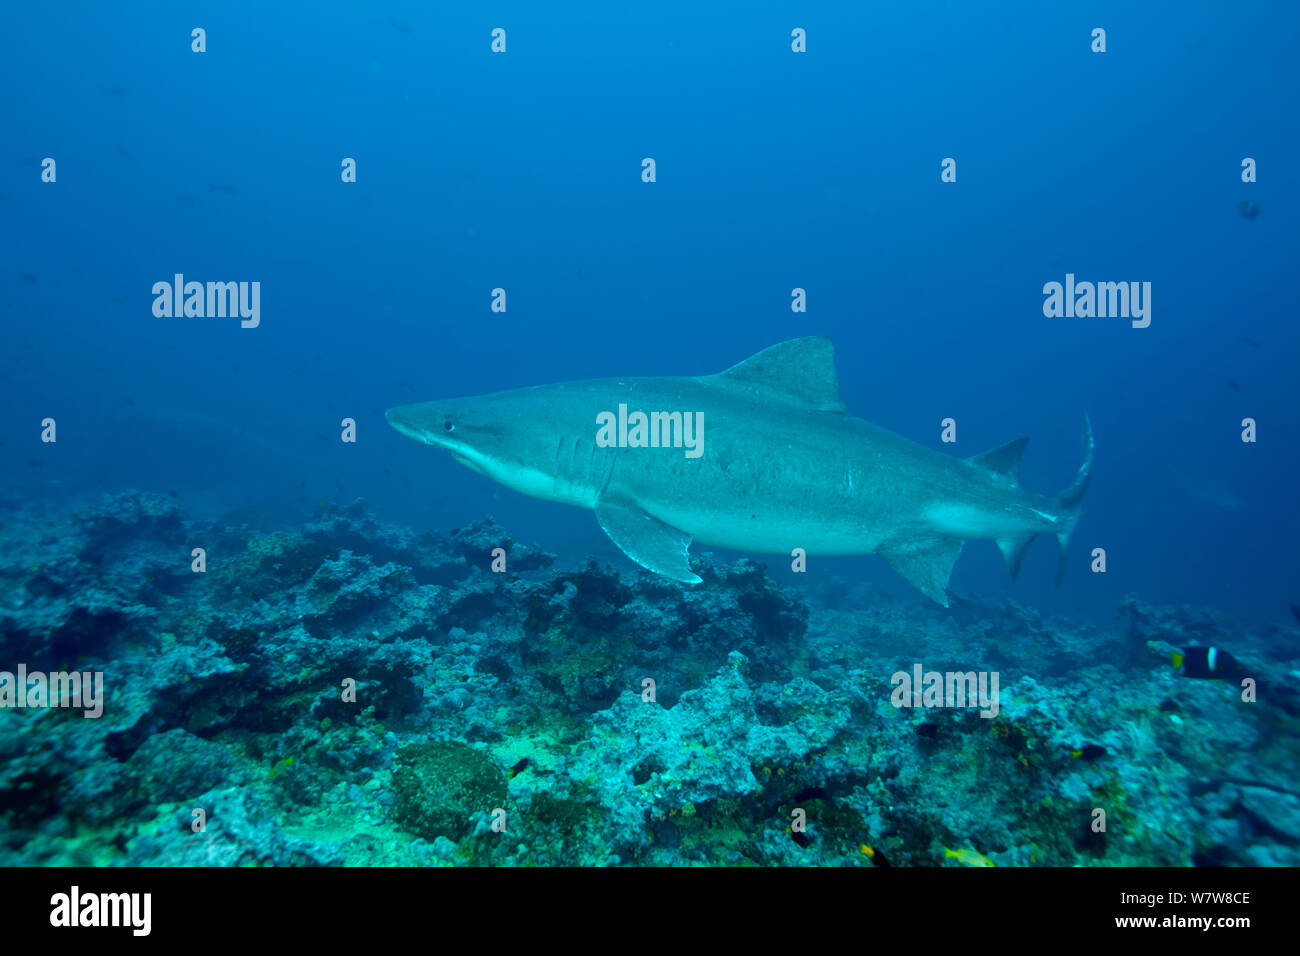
(847, 530)
(771, 534)
(956, 519)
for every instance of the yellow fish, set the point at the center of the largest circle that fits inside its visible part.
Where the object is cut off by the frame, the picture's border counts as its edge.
(967, 857)
(874, 855)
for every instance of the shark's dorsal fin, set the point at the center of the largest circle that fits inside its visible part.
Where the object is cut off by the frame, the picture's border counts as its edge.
(1003, 461)
(801, 369)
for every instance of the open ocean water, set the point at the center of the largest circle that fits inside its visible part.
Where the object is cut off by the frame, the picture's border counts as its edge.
(246, 619)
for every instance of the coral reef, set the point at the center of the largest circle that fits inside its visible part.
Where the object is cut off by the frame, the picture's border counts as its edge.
(351, 693)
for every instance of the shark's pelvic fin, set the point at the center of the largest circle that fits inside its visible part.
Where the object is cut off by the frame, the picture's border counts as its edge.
(800, 369)
(928, 566)
(1013, 550)
(1003, 461)
(649, 542)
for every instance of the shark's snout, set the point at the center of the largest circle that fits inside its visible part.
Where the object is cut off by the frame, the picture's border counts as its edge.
(399, 418)
(432, 423)
(441, 424)
(415, 421)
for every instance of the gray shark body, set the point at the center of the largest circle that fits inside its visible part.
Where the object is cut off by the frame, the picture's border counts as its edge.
(778, 465)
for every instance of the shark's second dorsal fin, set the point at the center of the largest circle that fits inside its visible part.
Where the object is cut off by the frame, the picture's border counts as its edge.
(1003, 461)
(803, 369)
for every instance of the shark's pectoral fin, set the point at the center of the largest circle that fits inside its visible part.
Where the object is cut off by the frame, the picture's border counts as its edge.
(927, 566)
(649, 542)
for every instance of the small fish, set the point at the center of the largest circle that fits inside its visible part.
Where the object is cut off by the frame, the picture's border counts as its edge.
(1232, 384)
(799, 837)
(1248, 209)
(1088, 752)
(1295, 611)
(967, 857)
(872, 854)
(519, 768)
(928, 729)
(1208, 663)
(1247, 340)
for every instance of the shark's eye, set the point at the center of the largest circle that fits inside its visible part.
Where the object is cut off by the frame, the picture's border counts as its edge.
(449, 426)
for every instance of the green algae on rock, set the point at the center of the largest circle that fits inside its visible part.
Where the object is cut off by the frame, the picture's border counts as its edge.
(441, 784)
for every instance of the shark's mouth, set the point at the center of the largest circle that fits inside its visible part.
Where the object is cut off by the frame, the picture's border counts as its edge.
(468, 463)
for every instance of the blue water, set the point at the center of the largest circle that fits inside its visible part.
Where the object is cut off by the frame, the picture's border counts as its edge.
(775, 170)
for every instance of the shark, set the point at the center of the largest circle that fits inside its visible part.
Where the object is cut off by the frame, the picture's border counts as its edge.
(784, 467)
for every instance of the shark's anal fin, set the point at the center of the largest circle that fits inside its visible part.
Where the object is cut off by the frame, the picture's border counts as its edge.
(927, 566)
(645, 539)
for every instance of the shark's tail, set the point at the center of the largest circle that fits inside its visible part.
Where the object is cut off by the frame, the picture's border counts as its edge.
(1071, 499)
(1069, 506)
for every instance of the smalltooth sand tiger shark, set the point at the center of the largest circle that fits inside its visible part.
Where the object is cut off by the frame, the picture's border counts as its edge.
(784, 466)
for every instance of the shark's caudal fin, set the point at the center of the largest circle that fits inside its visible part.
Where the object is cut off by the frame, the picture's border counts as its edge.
(1071, 498)
(1005, 463)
